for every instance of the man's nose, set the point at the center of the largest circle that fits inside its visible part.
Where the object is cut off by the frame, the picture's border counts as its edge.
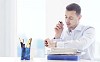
(67, 20)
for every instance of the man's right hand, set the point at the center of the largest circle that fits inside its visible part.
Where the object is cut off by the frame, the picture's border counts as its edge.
(49, 43)
(58, 29)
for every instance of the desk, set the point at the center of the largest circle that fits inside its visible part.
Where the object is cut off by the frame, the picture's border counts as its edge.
(17, 59)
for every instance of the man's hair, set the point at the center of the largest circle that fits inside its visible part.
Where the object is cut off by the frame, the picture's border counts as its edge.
(74, 7)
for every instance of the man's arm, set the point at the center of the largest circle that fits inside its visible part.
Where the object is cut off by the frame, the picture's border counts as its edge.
(82, 43)
(58, 29)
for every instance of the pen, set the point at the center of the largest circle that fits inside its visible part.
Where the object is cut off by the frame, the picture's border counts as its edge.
(60, 21)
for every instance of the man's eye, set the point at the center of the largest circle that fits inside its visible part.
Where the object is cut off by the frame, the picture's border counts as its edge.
(71, 18)
(65, 17)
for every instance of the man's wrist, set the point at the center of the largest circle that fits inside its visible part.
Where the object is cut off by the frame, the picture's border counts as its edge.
(57, 36)
(55, 44)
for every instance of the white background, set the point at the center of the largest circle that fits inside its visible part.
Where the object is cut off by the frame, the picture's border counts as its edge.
(8, 26)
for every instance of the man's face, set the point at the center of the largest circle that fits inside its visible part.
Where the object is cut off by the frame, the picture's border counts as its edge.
(71, 19)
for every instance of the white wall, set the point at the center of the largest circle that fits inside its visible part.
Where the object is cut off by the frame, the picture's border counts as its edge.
(2, 27)
(7, 28)
(31, 18)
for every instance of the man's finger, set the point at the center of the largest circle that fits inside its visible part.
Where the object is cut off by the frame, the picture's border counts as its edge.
(46, 45)
(59, 26)
(46, 42)
(56, 28)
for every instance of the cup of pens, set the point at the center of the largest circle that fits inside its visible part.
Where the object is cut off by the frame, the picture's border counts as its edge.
(25, 49)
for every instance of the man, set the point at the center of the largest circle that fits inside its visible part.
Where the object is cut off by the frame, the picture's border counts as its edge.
(77, 36)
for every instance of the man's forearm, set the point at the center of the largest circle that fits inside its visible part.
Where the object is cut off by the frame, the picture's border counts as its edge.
(53, 45)
(57, 36)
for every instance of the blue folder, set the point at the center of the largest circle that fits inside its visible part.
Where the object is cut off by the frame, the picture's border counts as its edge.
(62, 57)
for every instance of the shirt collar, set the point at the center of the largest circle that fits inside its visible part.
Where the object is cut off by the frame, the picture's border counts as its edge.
(78, 28)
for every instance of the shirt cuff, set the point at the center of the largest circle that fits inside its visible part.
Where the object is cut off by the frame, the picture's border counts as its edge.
(59, 39)
(60, 44)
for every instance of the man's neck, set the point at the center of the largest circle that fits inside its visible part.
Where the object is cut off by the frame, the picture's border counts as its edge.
(70, 29)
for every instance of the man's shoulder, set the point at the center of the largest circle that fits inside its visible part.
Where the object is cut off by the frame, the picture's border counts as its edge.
(87, 28)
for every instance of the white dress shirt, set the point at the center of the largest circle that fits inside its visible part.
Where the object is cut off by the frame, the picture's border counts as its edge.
(81, 38)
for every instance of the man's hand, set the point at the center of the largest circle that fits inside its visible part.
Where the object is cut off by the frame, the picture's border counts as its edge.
(49, 43)
(58, 29)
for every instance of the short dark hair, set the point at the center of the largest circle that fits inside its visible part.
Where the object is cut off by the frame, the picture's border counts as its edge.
(74, 7)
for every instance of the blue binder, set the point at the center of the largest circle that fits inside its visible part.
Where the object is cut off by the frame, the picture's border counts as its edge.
(62, 57)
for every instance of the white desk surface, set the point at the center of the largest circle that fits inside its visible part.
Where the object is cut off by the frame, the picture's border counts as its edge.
(17, 59)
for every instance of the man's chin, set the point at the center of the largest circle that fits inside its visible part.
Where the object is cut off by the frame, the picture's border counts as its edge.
(68, 27)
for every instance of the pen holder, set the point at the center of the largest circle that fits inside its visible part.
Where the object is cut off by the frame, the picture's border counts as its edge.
(25, 49)
(25, 53)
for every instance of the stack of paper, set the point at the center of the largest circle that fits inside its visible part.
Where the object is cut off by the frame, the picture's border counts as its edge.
(63, 54)
(67, 51)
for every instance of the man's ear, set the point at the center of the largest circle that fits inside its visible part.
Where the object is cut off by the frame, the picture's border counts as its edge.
(80, 17)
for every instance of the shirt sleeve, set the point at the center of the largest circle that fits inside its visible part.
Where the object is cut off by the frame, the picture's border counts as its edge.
(82, 43)
(60, 42)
